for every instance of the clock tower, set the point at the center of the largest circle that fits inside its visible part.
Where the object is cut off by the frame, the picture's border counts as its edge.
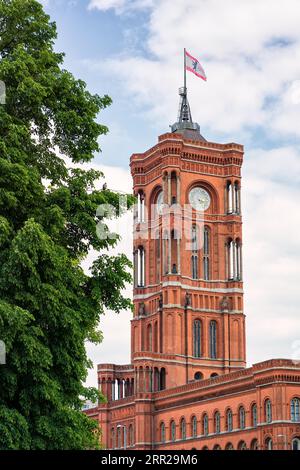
(188, 320)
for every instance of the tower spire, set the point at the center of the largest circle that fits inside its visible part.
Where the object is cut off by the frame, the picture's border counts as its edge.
(185, 124)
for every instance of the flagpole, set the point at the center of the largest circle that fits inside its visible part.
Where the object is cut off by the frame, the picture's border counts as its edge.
(184, 74)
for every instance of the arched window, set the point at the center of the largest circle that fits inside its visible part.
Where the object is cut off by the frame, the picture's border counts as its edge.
(229, 446)
(197, 338)
(113, 438)
(213, 339)
(119, 437)
(242, 417)
(233, 198)
(242, 445)
(198, 376)
(268, 411)
(238, 260)
(234, 260)
(158, 255)
(149, 337)
(205, 425)
(295, 417)
(131, 435)
(254, 415)
(140, 207)
(155, 336)
(194, 258)
(217, 447)
(206, 248)
(140, 266)
(173, 431)
(296, 443)
(217, 422)
(229, 420)
(229, 197)
(237, 198)
(268, 444)
(183, 429)
(254, 444)
(162, 378)
(163, 433)
(194, 426)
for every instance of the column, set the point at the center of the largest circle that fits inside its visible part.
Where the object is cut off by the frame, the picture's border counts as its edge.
(234, 259)
(169, 253)
(178, 189)
(226, 261)
(233, 198)
(178, 255)
(169, 189)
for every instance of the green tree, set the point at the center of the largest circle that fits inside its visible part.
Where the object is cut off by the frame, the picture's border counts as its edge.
(49, 307)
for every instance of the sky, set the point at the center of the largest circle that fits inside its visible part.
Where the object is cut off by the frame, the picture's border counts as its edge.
(132, 50)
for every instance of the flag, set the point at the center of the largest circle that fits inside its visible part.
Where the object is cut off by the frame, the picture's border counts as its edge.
(194, 66)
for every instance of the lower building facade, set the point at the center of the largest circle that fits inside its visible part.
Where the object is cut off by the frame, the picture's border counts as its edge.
(257, 408)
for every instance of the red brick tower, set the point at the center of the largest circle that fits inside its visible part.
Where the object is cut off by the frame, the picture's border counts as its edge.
(188, 319)
(188, 294)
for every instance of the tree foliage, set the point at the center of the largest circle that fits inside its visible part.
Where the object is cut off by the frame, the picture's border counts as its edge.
(49, 307)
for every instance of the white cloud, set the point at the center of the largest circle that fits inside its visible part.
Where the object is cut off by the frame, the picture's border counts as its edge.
(250, 51)
(119, 5)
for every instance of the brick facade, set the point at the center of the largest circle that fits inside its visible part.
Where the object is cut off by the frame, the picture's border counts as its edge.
(187, 386)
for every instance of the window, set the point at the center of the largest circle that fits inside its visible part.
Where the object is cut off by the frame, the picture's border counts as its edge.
(173, 431)
(242, 445)
(237, 198)
(131, 435)
(213, 339)
(233, 199)
(194, 259)
(162, 379)
(194, 426)
(242, 417)
(205, 425)
(158, 256)
(229, 198)
(217, 422)
(113, 439)
(197, 338)
(194, 262)
(140, 267)
(268, 444)
(234, 260)
(183, 429)
(119, 437)
(254, 444)
(163, 433)
(295, 402)
(217, 447)
(296, 443)
(268, 411)
(140, 207)
(229, 420)
(254, 415)
(149, 337)
(238, 255)
(229, 446)
(198, 376)
(206, 243)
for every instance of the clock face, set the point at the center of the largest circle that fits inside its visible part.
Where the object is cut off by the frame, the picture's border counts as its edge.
(160, 203)
(199, 198)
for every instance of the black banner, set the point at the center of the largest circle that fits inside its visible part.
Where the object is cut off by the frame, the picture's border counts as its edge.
(138, 459)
